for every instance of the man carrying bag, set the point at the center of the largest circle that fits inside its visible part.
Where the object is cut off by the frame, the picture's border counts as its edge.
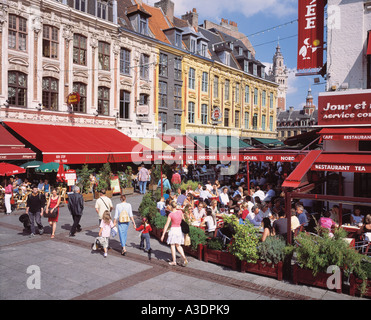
(76, 207)
(35, 209)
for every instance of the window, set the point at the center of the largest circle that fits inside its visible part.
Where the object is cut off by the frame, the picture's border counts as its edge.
(17, 89)
(79, 49)
(103, 55)
(50, 93)
(192, 45)
(143, 99)
(227, 58)
(125, 61)
(240, 51)
(237, 98)
(103, 101)
(237, 119)
(178, 40)
(192, 78)
(205, 81)
(80, 5)
(162, 94)
(177, 68)
(124, 104)
(80, 88)
(255, 121)
(226, 117)
(245, 66)
(144, 67)
(247, 94)
(177, 96)
(255, 70)
(263, 122)
(226, 89)
(101, 10)
(162, 121)
(50, 42)
(204, 114)
(247, 120)
(264, 98)
(143, 25)
(178, 122)
(255, 96)
(203, 49)
(271, 123)
(271, 100)
(191, 112)
(17, 38)
(216, 87)
(163, 65)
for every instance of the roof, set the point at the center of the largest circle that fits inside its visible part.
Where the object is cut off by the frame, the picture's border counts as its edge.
(157, 23)
(296, 115)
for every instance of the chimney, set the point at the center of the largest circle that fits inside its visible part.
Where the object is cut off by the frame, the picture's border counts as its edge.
(191, 17)
(291, 109)
(167, 7)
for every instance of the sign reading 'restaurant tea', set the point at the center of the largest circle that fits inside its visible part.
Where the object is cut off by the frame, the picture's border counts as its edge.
(344, 108)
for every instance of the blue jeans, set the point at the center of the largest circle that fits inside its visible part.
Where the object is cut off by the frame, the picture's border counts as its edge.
(123, 232)
(146, 237)
(142, 187)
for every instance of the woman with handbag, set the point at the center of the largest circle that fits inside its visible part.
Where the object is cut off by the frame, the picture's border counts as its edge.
(52, 210)
(123, 215)
(175, 236)
(8, 195)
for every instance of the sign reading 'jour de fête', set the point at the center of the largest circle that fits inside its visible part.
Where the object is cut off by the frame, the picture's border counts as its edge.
(344, 108)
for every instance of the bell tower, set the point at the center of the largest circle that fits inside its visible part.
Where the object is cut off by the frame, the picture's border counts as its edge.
(279, 75)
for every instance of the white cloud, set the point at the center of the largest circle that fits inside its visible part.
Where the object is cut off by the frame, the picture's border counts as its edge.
(213, 8)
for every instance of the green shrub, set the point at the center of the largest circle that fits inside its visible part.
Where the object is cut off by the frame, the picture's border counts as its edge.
(193, 184)
(197, 236)
(272, 250)
(159, 221)
(215, 244)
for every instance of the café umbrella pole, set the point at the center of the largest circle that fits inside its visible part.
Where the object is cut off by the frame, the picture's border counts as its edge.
(162, 183)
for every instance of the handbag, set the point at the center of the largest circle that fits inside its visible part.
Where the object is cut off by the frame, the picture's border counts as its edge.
(124, 216)
(187, 240)
(114, 232)
(185, 227)
(51, 214)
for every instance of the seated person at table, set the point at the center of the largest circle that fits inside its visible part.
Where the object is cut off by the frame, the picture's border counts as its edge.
(209, 185)
(197, 192)
(205, 195)
(214, 209)
(327, 223)
(210, 223)
(356, 218)
(40, 186)
(239, 191)
(264, 211)
(214, 191)
(189, 200)
(270, 194)
(253, 216)
(364, 233)
(46, 186)
(280, 225)
(259, 193)
(303, 219)
(335, 213)
(167, 194)
(181, 198)
(224, 198)
(188, 214)
(294, 220)
(161, 206)
(245, 210)
(267, 229)
(199, 212)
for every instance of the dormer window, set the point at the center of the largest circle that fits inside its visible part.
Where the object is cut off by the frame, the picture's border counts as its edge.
(80, 5)
(192, 46)
(255, 69)
(240, 51)
(178, 39)
(249, 55)
(246, 66)
(101, 10)
(143, 25)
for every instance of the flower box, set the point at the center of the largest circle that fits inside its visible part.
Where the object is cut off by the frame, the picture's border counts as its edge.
(223, 258)
(263, 268)
(355, 283)
(156, 232)
(126, 191)
(305, 276)
(195, 253)
(88, 196)
(109, 193)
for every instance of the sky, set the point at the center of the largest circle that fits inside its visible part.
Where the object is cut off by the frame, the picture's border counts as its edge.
(253, 16)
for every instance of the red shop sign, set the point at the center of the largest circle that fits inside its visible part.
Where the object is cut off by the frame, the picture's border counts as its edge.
(73, 98)
(310, 29)
(337, 108)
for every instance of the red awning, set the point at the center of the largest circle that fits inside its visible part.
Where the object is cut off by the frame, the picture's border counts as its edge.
(77, 145)
(295, 179)
(8, 140)
(12, 149)
(340, 162)
(347, 134)
(178, 142)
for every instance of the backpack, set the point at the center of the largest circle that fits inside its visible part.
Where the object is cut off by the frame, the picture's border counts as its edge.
(124, 216)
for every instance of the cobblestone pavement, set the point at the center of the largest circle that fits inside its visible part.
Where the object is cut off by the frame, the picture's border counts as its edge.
(69, 270)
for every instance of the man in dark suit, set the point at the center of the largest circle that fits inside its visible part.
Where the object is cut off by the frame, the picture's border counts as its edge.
(76, 207)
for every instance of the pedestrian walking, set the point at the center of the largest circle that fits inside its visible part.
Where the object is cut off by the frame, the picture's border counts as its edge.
(175, 237)
(105, 226)
(122, 218)
(76, 208)
(8, 190)
(145, 229)
(52, 207)
(143, 177)
(102, 204)
(35, 209)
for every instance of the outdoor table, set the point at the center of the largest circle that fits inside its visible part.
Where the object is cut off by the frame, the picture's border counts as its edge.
(352, 230)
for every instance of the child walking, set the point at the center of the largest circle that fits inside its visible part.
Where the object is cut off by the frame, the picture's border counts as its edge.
(104, 232)
(145, 228)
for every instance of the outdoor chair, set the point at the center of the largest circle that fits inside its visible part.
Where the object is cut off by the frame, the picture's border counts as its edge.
(363, 247)
(22, 202)
(64, 195)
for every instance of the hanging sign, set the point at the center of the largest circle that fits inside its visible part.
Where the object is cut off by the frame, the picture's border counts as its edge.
(310, 29)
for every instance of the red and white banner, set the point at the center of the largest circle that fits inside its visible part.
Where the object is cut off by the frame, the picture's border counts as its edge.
(338, 108)
(310, 29)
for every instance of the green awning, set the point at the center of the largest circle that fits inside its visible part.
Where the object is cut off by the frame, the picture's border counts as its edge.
(269, 142)
(218, 142)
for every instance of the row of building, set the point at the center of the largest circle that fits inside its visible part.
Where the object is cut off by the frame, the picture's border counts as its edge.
(137, 68)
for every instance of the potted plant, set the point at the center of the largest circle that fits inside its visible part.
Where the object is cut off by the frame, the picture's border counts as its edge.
(315, 254)
(198, 240)
(226, 256)
(104, 180)
(360, 279)
(271, 253)
(155, 177)
(126, 181)
(83, 175)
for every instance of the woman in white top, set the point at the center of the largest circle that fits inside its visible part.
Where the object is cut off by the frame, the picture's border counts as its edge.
(123, 226)
(209, 223)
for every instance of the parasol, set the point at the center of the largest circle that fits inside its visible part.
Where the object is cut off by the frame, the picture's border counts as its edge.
(50, 167)
(32, 164)
(7, 169)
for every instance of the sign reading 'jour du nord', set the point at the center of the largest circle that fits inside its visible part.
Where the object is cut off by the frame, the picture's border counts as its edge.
(338, 108)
